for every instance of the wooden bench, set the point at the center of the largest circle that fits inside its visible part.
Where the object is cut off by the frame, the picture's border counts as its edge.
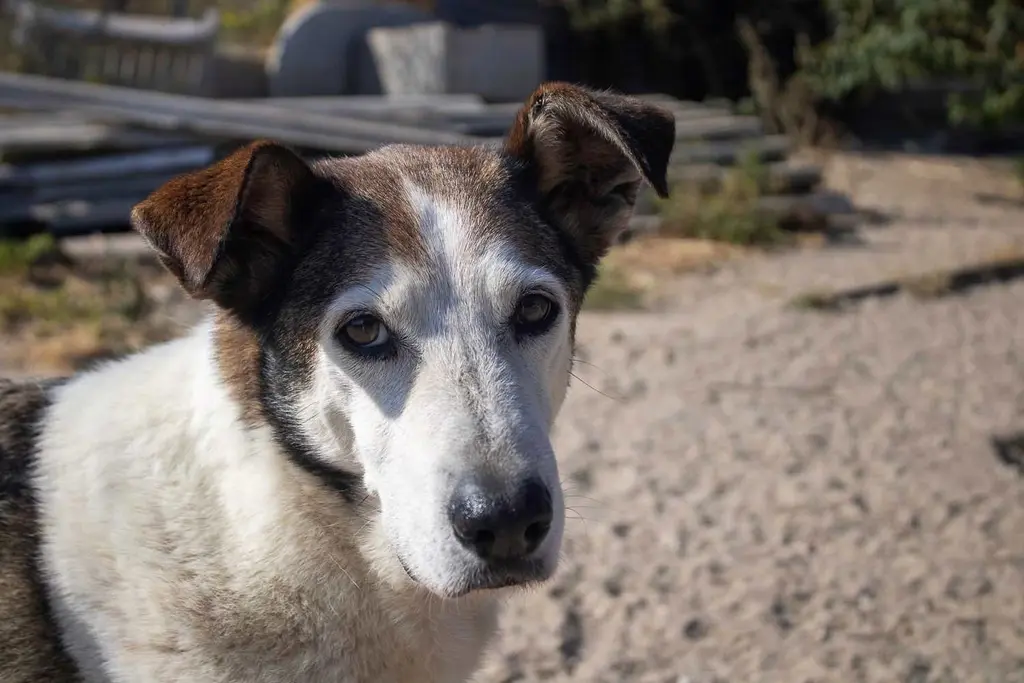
(171, 53)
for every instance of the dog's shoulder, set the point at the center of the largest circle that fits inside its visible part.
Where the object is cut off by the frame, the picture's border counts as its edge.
(30, 648)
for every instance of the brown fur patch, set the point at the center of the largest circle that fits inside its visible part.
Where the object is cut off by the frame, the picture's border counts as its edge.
(589, 151)
(30, 647)
(224, 230)
(237, 350)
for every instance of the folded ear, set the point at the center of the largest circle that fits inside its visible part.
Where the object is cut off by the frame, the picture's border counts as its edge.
(589, 152)
(227, 231)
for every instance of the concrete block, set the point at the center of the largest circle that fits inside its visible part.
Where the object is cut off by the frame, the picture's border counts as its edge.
(497, 62)
(322, 50)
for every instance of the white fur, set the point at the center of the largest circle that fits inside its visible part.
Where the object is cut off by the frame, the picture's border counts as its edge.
(182, 547)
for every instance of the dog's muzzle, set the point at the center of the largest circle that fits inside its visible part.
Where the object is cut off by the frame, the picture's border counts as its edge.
(502, 534)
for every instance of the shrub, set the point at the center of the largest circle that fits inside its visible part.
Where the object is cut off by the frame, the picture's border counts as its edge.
(890, 44)
(730, 214)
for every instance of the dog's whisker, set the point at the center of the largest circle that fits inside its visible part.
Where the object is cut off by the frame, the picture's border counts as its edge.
(580, 361)
(570, 494)
(595, 506)
(578, 516)
(585, 506)
(618, 399)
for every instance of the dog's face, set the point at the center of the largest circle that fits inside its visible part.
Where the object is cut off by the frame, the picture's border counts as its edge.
(409, 315)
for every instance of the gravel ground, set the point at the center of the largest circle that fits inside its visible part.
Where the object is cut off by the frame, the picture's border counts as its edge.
(794, 497)
(771, 495)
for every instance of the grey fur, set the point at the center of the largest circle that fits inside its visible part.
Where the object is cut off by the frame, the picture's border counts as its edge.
(30, 646)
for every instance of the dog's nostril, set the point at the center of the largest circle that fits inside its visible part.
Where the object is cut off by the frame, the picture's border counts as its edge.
(535, 534)
(483, 542)
(496, 526)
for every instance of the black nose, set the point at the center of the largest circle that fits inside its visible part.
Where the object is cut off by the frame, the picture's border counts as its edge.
(497, 526)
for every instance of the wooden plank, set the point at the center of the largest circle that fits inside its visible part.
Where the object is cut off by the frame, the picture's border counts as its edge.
(42, 132)
(229, 120)
(78, 216)
(669, 101)
(731, 152)
(801, 208)
(719, 128)
(104, 214)
(467, 115)
(822, 203)
(94, 24)
(116, 166)
(49, 192)
(17, 205)
(684, 109)
(469, 109)
(128, 245)
(375, 105)
(782, 177)
(792, 180)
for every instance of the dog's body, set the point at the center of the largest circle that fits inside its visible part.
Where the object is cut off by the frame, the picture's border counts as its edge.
(178, 532)
(333, 478)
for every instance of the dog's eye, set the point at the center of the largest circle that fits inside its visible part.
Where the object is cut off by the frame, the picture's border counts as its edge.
(534, 314)
(624, 190)
(365, 332)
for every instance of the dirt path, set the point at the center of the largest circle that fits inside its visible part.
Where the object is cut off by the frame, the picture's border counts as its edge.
(772, 495)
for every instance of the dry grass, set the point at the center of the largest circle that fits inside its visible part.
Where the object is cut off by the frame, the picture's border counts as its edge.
(633, 272)
(57, 315)
(729, 214)
(613, 291)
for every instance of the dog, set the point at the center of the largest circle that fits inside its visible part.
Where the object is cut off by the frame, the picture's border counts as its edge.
(338, 475)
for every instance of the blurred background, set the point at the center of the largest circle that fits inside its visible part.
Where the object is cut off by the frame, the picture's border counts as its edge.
(794, 448)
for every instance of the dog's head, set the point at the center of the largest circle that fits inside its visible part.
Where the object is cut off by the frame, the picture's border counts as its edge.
(404, 320)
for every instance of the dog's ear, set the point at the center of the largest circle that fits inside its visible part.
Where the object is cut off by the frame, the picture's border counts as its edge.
(588, 153)
(227, 230)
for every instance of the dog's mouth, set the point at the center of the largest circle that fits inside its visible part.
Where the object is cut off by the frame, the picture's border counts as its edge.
(520, 574)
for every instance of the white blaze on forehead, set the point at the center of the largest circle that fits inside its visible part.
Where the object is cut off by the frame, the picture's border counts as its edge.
(474, 261)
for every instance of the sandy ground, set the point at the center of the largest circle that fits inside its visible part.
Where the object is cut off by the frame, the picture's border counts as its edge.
(768, 495)
(764, 494)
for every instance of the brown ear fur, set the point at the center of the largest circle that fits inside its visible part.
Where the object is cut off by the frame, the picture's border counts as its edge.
(223, 231)
(590, 151)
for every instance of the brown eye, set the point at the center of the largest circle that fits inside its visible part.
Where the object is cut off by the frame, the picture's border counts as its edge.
(534, 314)
(365, 332)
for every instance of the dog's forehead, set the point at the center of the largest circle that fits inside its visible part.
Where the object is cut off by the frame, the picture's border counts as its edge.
(438, 207)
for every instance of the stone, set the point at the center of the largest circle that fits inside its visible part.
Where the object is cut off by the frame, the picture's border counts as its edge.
(497, 62)
(321, 49)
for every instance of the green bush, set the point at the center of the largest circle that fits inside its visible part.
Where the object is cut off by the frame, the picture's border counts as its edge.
(889, 44)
